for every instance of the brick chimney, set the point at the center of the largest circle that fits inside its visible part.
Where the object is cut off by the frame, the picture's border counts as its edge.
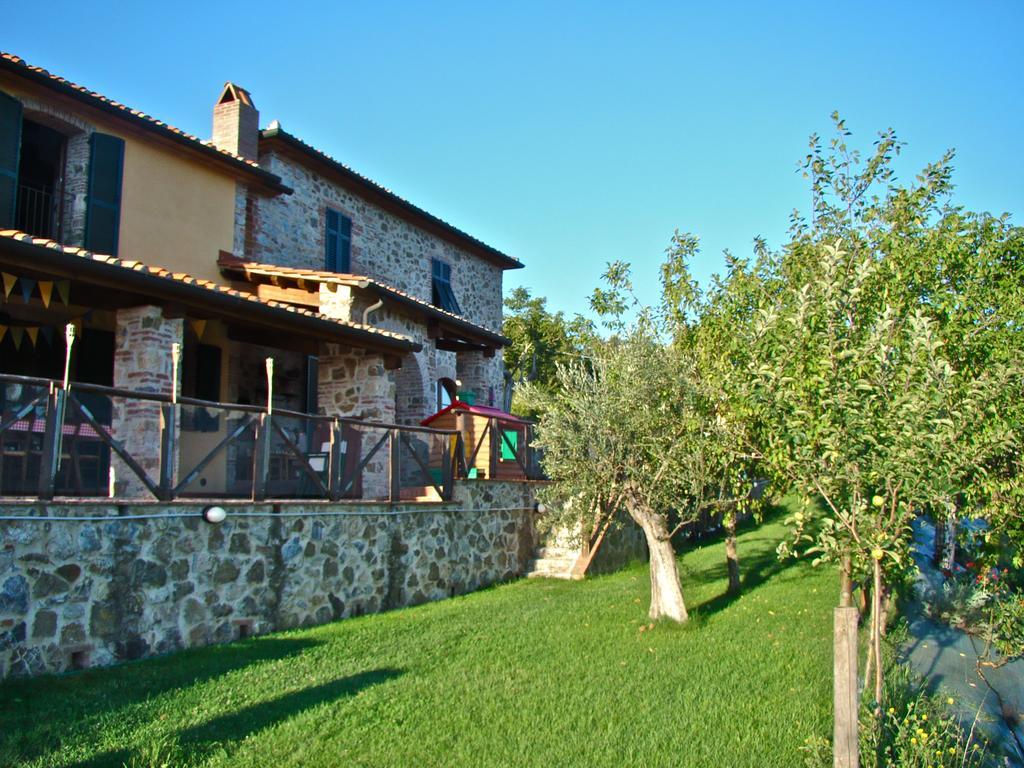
(236, 122)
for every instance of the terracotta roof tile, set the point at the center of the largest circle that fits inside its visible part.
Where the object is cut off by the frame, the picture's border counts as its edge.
(182, 277)
(20, 66)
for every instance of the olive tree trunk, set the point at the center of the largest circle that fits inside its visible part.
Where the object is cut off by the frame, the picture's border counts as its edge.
(666, 591)
(732, 558)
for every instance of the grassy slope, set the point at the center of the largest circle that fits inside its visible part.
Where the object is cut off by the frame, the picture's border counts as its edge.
(529, 673)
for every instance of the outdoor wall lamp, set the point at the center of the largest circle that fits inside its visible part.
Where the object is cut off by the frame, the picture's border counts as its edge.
(540, 507)
(214, 515)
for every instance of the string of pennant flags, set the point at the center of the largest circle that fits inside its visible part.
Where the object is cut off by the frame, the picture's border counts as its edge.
(28, 287)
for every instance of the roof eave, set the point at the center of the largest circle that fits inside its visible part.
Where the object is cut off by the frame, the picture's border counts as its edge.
(380, 195)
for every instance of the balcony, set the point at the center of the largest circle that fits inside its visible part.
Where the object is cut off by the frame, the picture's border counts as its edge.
(41, 212)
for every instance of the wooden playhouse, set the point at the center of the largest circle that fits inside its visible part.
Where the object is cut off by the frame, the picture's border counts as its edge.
(495, 443)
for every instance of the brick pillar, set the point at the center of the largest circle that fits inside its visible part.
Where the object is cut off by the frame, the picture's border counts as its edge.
(354, 383)
(142, 362)
(76, 185)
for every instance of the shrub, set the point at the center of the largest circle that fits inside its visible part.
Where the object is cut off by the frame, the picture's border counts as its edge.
(916, 731)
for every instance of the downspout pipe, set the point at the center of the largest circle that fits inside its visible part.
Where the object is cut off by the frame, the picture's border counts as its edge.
(370, 309)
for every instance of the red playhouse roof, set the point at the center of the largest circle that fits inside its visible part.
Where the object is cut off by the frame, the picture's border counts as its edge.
(476, 410)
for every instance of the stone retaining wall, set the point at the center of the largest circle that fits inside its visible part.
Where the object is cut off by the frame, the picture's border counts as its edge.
(93, 593)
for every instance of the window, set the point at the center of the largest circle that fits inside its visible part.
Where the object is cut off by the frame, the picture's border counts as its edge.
(509, 444)
(444, 296)
(446, 393)
(338, 243)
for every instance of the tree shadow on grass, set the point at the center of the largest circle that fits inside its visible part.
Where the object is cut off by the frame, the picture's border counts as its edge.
(193, 745)
(757, 566)
(38, 715)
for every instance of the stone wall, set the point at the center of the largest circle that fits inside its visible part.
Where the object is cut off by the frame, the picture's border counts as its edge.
(99, 591)
(290, 232)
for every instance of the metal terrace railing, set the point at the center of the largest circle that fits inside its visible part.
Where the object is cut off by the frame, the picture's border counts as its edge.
(86, 440)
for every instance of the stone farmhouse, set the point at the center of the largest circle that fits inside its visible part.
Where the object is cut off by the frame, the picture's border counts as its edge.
(243, 388)
(248, 246)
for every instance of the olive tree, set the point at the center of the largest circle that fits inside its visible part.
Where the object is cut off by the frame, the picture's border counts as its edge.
(712, 328)
(609, 434)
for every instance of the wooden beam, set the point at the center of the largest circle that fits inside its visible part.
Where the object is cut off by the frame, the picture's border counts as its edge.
(296, 296)
(451, 345)
(264, 338)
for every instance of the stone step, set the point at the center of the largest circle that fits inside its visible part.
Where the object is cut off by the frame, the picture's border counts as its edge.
(558, 552)
(550, 568)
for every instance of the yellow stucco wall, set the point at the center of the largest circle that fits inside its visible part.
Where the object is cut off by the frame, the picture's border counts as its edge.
(175, 213)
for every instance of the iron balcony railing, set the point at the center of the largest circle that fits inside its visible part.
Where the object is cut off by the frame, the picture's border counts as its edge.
(40, 212)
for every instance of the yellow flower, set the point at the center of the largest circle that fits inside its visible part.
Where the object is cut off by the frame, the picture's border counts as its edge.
(949, 701)
(924, 717)
(913, 740)
(952, 750)
(892, 710)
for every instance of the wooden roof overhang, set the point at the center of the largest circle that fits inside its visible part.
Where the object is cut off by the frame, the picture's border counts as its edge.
(105, 282)
(449, 332)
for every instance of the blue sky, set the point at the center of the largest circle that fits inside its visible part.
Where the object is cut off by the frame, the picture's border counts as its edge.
(572, 134)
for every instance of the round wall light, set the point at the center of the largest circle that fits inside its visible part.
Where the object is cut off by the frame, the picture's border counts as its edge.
(540, 507)
(214, 515)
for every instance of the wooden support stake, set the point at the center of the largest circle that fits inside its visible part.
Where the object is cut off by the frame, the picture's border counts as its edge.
(335, 463)
(50, 459)
(261, 456)
(168, 448)
(492, 471)
(394, 466)
(451, 445)
(845, 702)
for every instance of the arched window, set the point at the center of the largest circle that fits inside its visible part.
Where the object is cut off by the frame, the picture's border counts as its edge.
(446, 392)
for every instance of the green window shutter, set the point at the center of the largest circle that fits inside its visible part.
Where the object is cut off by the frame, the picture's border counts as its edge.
(338, 242)
(508, 452)
(331, 242)
(103, 209)
(10, 151)
(443, 295)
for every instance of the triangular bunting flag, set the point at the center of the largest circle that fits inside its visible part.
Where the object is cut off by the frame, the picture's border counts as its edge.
(47, 332)
(33, 333)
(9, 281)
(64, 289)
(45, 291)
(3, 332)
(27, 286)
(199, 326)
(17, 334)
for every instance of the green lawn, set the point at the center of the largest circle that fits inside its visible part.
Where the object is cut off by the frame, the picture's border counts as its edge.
(530, 673)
